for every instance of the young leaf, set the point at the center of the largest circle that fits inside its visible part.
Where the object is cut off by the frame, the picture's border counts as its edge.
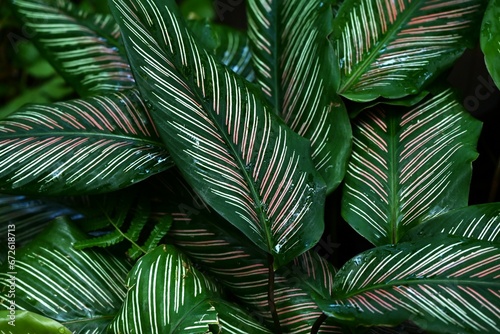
(408, 165)
(294, 67)
(243, 161)
(22, 322)
(166, 295)
(480, 222)
(82, 47)
(394, 48)
(97, 144)
(79, 289)
(490, 40)
(443, 285)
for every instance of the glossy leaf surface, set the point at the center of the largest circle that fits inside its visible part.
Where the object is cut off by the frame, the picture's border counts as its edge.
(394, 48)
(23, 322)
(480, 222)
(82, 47)
(407, 165)
(243, 161)
(490, 40)
(82, 290)
(97, 144)
(444, 285)
(294, 67)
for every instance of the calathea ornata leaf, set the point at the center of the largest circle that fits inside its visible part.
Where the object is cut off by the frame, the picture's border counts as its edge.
(97, 144)
(239, 156)
(407, 165)
(82, 47)
(490, 39)
(480, 222)
(82, 290)
(394, 48)
(443, 285)
(294, 66)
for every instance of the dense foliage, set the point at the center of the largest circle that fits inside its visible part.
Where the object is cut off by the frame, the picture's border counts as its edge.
(174, 177)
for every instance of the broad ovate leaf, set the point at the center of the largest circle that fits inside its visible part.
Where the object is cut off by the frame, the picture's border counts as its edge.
(407, 165)
(243, 161)
(82, 47)
(97, 144)
(82, 290)
(294, 67)
(166, 294)
(394, 48)
(490, 40)
(480, 222)
(443, 285)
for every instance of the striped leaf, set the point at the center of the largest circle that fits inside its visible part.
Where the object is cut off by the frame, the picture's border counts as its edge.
(294, 68)
(490, 39)
(82, 290)
(244, 162)
(82, 47)
(443, 285)
(97, 144)
(480, 222)
(166, 295)
(394, 48)
(407, 165)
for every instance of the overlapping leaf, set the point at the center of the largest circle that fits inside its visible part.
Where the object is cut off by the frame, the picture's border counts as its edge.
(244, 162)
(294, 67)
(97, 144)
(443, 285)
(490, 40)
(82, 47)
(408, 165)
(480, 222)
(82, 290)
(168, 295)
(394, 48)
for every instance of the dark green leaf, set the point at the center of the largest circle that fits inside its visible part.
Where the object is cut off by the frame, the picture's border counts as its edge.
(243, 161)
(394, 48)
(79, 289)
(444, 285)
(480, 222)
(97, 144)
(407, 165)
(294, 68)
(490, 40)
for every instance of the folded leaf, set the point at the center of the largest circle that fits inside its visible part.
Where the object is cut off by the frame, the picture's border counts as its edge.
(394, 48)
(407, 165)
(80, 289)
(443, 285)
(480, 222)
(97, 144)
(294, 67)
(490, 40)
(82, 47)
(243, 161)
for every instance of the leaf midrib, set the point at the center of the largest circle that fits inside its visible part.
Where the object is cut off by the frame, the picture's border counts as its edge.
(391, 32)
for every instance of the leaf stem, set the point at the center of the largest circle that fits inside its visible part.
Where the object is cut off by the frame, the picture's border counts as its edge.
(270, 296)
(317, 324)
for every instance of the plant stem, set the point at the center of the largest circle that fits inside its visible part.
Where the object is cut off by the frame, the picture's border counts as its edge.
(270, 296)
(318, 323)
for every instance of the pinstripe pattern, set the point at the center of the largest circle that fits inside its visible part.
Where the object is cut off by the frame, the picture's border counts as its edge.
(383, 45)
(82, 145)
(407, 166)
(253, 170)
